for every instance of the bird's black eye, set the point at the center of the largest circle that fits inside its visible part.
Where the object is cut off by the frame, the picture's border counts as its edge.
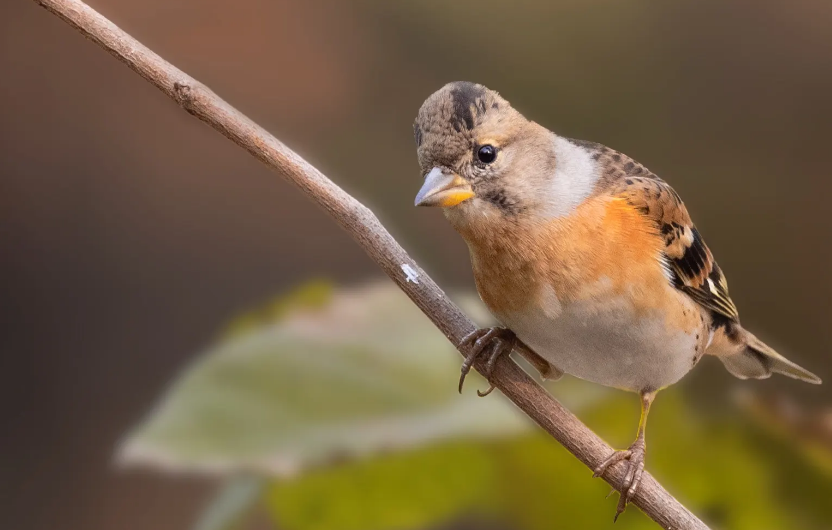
(486, 154)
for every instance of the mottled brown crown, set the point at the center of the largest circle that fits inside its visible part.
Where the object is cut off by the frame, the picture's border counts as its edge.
(451, 118)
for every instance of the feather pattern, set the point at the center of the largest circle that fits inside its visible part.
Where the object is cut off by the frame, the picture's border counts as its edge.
(590, 258)
(691, 264)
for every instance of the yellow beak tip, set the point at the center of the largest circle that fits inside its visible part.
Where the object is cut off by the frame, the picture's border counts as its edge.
(454, 197)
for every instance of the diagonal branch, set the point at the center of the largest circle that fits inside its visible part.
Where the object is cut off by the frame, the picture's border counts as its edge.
(368, 232)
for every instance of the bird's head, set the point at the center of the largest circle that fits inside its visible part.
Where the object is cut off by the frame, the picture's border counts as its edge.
(483, 162)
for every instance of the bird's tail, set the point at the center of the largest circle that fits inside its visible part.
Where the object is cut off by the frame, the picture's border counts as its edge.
(757, 360)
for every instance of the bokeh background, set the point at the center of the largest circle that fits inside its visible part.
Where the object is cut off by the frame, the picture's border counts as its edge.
(130, 233)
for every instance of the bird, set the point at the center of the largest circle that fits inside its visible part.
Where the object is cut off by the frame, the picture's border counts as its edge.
(589, 262)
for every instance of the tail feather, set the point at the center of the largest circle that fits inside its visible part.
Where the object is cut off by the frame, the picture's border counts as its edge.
(757, 360)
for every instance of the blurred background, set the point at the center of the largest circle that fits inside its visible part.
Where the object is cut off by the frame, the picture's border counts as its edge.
(131, 234)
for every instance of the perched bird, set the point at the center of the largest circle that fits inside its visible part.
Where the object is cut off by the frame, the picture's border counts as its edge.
(589, 260)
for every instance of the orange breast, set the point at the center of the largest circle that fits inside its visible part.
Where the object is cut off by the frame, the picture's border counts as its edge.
(605, 248)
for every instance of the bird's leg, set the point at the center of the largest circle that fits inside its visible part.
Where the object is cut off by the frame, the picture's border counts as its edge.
(634, 457)
(502, 341)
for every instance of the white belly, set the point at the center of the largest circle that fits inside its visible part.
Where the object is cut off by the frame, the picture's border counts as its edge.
(609, 345)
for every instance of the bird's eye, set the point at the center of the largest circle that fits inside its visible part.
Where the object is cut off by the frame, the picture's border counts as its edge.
(486, 154)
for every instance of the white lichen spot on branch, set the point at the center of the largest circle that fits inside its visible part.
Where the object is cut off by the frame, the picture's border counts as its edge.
(410, 274)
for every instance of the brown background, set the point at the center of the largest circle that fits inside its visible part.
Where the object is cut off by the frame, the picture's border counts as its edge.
(130, 232)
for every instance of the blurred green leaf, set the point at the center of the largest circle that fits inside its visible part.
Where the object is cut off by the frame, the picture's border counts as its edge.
(403, 490)
(360, 372)
(324, 377)
(718, 468)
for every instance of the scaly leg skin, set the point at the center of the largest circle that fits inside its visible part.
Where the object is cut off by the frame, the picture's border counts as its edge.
(634, 457)
(502, 341)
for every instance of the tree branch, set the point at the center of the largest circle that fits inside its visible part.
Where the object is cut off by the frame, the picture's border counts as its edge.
(368, 232)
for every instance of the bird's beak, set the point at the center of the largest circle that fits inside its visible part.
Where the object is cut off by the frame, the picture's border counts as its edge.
(443, 188)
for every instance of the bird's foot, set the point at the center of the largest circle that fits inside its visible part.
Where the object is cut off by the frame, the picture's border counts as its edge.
(632, 478)
(501, 340)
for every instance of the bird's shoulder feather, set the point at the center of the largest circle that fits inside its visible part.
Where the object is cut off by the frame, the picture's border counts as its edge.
(691, 263)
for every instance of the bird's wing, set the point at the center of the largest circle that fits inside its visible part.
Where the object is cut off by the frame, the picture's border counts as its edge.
(693, 268)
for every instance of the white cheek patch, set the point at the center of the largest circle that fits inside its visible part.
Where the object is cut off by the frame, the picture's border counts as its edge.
(575, 176)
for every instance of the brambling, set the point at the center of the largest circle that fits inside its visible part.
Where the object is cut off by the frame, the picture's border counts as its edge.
(589, 260)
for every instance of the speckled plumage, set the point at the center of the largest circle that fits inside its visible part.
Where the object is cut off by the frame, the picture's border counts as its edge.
(587, 256)
(586, 222)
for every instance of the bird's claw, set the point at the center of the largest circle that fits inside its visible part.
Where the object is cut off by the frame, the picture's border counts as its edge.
(632, 477)
(490, 389)
(613, 459)
(503, 341)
